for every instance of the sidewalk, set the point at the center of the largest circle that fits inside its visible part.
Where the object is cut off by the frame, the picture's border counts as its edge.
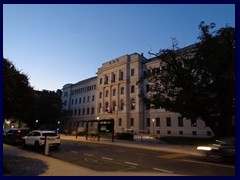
(26, 163)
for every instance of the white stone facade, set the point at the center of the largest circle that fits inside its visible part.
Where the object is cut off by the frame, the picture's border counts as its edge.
(114, 94)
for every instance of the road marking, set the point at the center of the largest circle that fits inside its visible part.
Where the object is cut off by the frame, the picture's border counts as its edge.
(86, 154)
(141, 154)
(170, 156)
(134, 164)
(214, 164)
(162, 170)
(110, 159)
(74, 152)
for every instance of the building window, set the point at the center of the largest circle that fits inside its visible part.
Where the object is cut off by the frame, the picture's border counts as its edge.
(83, 111)
(107, 108)
(168, 121)
(75, 101)
(122, 90)
(132, 89)
(65, 94)
(113, 77)
(87, 111)
(169, 132)
(106, 79)
(180, 121)
(180, 132)
(93, 98)
(107, 93)
(99, 107)
(114, 105)
(88, 98)
(194, 133)
(122, 104)
(114, 92)
(120, 75)
(100, 81)
(92, 110)
(132, 122)
(132, 72)
(83, 99)
(158, 122)
(75, 112)
(100, 95)
(79, 111)
(80, 100)
(120, 121)
(133, 103)
(193, 122)
(148, 122)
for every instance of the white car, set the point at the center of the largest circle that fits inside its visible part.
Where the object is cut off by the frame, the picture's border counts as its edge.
(36, 138)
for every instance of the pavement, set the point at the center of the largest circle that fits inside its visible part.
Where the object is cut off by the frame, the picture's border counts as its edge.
(18, 162)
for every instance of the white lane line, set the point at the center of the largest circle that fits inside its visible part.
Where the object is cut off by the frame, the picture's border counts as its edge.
(131, 163)
(74, 152)
(86, 154)
(213, 164)
(162, 170)
(110, 159)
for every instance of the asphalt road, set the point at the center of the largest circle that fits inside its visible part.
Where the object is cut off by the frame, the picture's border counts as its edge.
(102, 157)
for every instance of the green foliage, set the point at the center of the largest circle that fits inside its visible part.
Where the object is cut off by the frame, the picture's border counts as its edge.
(199, 81)
(21, 102)
(48, 108)
(18, 95)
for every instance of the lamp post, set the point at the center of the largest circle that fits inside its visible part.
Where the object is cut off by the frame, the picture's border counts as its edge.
(58, 127)
(153, 125)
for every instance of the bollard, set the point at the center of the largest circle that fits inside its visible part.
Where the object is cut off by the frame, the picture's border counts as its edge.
(46, 152)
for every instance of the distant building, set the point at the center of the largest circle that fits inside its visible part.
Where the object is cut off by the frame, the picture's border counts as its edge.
(114, 94)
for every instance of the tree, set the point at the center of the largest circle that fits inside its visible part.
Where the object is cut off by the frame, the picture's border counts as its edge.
(48, 109)
(198, 81)
(18, 95)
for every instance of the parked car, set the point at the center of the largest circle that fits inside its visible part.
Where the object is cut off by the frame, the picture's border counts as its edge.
(15, 135)
(36, 139)
(221, 150)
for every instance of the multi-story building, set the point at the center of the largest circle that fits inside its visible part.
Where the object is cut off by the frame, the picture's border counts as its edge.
(114, 94)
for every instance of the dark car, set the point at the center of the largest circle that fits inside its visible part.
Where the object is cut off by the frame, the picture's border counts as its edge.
(15, 135)
(221, 150)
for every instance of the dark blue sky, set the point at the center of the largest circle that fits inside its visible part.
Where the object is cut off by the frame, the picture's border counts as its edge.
(59, 44)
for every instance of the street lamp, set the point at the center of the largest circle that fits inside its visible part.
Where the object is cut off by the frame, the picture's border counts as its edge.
(97, 118)
(36, 123)
(58, 127)
(153, 125)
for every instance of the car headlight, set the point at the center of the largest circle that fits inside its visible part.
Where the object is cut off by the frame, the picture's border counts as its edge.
(204, 148)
